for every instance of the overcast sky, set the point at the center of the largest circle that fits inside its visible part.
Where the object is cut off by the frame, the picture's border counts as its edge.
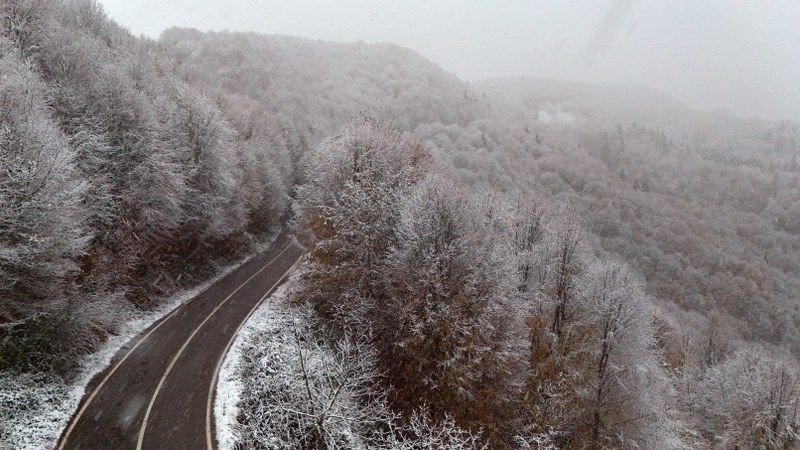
(740, 55)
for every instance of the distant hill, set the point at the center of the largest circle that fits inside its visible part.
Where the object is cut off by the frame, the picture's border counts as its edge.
(318, 85)
(699, 202)
(603, 103)
(491, 235)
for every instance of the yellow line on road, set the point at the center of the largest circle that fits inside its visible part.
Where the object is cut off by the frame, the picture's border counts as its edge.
(186, 343)
(209, 439)
(80, 413)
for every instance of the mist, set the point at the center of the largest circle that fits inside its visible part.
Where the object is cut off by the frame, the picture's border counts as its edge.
(399, 224)
(741, 56)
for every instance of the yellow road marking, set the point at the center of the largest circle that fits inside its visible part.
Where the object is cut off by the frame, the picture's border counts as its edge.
(80, 413)
(186, 343)
(209, 439)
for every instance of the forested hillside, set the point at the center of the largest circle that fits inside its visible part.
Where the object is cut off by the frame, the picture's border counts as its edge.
(121, 181)
(319, 85)
(517, 263)
(715, 199)
(698, 208)
(703, 204)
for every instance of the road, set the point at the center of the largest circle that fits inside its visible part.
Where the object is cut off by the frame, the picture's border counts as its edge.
(157, 392)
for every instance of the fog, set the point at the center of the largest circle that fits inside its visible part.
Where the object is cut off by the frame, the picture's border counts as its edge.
(505, 259)
(739, 55)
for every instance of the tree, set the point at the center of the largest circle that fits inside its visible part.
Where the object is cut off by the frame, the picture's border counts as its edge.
(529, 235)
(42, 231)
(422, 433)
(626, 398)
(203, 140)
(302, 392)
(119, 180)
(750, 401)
(448, 307)
(567, 263)
(351, 206)
(263, 192)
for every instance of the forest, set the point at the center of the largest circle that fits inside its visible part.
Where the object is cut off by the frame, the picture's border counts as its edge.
(515, 263)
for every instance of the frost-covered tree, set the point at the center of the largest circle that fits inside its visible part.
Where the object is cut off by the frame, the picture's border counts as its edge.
(422, 433)
(448, 306)
(553, 325)
(529, 234)
(125, 181)
(627, 397)
(302, 392)
(372, 219)
(263, 190)
(565, 266)
(42, 228)
(750, 400)
(351, 205)
(600, 383)
(205, 143)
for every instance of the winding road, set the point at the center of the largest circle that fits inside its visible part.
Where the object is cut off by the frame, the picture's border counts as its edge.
(157, 393)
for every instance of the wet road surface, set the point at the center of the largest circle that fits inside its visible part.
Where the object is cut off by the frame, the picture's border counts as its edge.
(157, 392)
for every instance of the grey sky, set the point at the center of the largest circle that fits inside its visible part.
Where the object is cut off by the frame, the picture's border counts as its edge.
(736, 54)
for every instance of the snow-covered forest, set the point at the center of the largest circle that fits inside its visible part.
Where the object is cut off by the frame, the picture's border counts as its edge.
(516, 263)
(121, 180)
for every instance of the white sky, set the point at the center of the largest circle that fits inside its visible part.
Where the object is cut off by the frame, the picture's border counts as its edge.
(736, 54)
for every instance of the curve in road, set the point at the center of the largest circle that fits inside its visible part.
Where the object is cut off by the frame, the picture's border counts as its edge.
(157, 392)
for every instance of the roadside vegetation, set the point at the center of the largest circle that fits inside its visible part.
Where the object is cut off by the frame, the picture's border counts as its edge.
(515, 264)
(121, 185)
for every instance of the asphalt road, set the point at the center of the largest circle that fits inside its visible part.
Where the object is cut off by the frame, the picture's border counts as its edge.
(157, 392)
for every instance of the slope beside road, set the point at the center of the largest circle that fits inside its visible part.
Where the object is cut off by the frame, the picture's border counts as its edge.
(157, 392)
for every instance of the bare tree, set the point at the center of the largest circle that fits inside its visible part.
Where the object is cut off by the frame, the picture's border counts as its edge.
(567, 264)
(302, 393)
(750, 400)
(422, 433)
(529, 234)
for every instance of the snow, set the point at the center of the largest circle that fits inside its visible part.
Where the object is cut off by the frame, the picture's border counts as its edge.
(229, 382)
(553, 114)
(34, 409)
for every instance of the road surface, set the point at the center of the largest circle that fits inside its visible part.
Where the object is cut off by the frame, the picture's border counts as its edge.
(157, 392)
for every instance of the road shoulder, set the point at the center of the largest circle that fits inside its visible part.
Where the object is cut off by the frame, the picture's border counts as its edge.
(229, 385)
(50, 403)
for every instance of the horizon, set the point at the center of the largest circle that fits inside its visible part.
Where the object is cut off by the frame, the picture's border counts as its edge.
(368, 224)
(733, 56)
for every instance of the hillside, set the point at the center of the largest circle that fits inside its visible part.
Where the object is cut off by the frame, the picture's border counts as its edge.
(687, 219)
(319, 85)
(698, 202)
(123, 182)
(515, 263)
(703, 210)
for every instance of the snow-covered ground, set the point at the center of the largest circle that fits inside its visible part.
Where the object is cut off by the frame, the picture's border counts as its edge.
(229, 383)
(34, 410)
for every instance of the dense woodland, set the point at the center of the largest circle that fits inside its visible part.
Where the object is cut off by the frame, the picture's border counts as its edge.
(713, 196)
(519, 263)
(121, 181)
